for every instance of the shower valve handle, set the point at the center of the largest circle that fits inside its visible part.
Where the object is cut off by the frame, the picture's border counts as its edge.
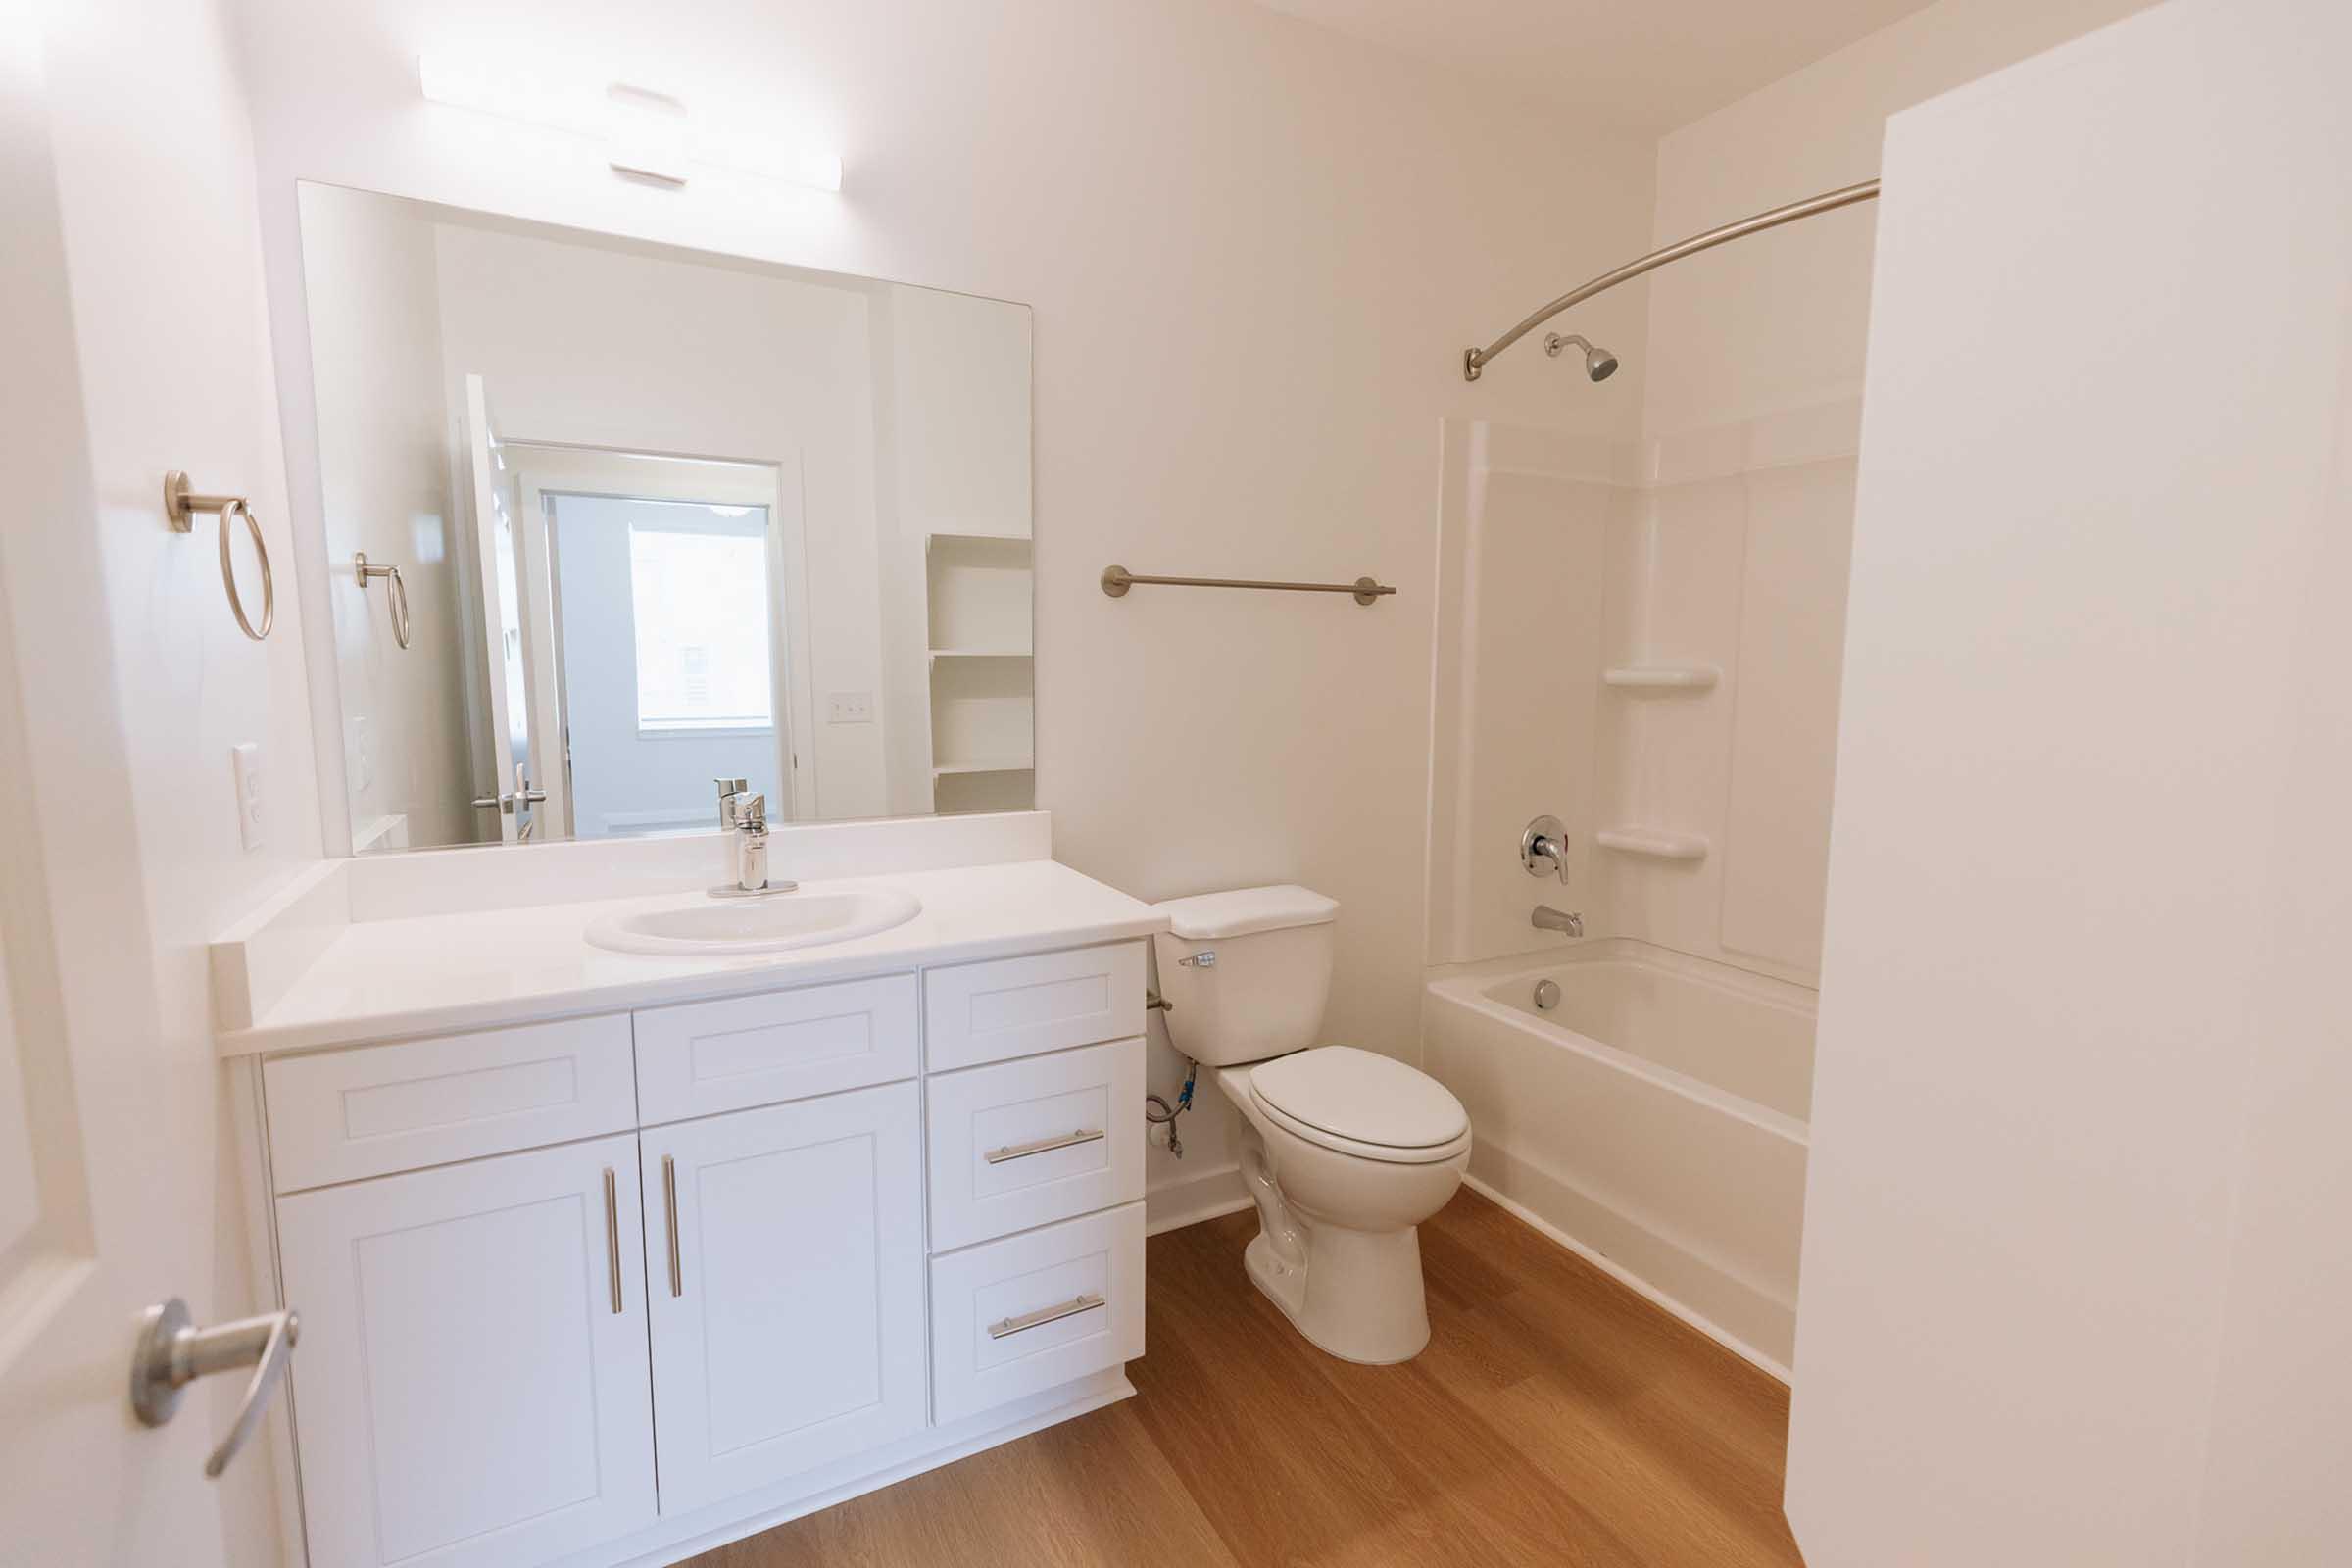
(1544, 849)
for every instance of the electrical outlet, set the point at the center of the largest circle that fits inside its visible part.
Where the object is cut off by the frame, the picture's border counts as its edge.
(245, 759)
(850, 708)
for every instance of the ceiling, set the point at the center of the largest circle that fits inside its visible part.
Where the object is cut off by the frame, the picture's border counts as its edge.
(1647, 65)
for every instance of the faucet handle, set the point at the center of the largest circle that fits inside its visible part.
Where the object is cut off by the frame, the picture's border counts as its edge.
(730, 792)
(750, 812)
(1544, 848)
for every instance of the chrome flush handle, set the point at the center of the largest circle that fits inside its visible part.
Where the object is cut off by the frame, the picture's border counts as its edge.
(172, 1353)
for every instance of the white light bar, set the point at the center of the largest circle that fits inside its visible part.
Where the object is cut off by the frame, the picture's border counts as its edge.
(645, 133)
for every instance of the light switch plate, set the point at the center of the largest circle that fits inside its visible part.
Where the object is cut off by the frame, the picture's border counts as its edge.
(850, 708)
(245, 758)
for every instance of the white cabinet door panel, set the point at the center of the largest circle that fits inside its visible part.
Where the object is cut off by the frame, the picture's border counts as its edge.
(466, 1394)
(791, 1331)
(1007, 1008)
(1024, 1143)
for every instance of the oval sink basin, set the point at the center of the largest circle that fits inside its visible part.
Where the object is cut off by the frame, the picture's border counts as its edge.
(775, 923)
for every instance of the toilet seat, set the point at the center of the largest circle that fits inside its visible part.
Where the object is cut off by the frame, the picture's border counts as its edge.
(1361, 1103)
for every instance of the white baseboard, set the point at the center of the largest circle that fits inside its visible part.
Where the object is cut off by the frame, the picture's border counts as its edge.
(1172, 1206)
(1631, 1282)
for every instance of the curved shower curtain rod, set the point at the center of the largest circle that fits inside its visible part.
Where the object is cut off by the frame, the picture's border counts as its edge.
(1474, 360)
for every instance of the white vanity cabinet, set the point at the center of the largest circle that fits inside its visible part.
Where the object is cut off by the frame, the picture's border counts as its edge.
(586, 1291)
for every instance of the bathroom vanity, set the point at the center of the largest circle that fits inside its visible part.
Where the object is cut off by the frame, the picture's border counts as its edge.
(605, 1257)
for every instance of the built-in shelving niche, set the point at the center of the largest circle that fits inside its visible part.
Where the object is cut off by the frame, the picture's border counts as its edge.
(983, 679)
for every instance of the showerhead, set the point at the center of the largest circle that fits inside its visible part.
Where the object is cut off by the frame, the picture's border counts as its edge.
(1600, 363)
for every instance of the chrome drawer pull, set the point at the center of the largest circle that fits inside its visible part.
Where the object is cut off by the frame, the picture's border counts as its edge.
(613, 1238)
(1043, 1146)
(670, 1201)
(1045, 1314)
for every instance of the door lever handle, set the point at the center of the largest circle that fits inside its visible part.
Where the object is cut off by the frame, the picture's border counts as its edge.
(172, 1353)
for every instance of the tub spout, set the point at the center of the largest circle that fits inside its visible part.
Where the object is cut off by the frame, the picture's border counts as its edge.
(1547, 918)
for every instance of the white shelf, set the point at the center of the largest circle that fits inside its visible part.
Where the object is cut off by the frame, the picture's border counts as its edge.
(981, 653)
(1662, 677)
(1000, 766)
(947, 536)
(1652, 842)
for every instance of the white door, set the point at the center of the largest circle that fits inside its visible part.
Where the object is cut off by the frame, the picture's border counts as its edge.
(509, 681)
(473, 1388)
(139, 357)
(785, 1253)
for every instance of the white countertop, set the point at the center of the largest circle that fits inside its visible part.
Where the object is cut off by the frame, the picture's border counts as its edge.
(431, 974)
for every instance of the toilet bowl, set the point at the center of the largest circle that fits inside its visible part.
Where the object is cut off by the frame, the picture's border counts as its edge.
(1338, 1246)
(1345, 1152)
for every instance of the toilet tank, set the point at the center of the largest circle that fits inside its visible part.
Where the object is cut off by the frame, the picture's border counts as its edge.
(1245, 973)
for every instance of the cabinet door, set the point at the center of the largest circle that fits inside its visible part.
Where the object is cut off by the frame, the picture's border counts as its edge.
(472, 1383)
(786, 1288)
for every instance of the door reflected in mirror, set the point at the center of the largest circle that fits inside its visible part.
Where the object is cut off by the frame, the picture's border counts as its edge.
(664, 518)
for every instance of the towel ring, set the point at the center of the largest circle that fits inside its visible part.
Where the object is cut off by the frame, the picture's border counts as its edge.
(180, 505)
(396, 592)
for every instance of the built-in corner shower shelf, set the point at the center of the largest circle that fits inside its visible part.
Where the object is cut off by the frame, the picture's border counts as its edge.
(1652, 842)
(1662, 677)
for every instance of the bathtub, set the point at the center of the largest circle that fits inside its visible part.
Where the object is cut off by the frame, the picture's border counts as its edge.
(1652, 1119)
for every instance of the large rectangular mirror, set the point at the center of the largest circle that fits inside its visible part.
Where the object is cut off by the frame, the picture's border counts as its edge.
(607, 521)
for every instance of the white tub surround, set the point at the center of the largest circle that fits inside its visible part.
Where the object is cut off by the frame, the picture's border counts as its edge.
(606, 1259)
(1652, 1117)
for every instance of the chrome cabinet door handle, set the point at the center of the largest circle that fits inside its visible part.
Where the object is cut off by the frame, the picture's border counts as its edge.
(669, 1202)
(172, 1353)
(1045, 1316)
(1043, 1146)
(613, 1238)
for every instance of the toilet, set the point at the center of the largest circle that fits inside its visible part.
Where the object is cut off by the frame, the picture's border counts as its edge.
(1345, 1152)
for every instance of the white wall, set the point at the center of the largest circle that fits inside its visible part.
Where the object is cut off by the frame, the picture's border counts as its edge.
(1255, 253)
(384, 445)
(2075, 1279)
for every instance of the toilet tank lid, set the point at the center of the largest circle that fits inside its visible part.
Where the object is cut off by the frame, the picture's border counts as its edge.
(1208, 916)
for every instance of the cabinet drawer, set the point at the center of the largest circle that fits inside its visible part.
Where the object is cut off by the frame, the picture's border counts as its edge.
(1047, 1137)
(345, 1114)
(706, 1057)
(1032, 1312)
(976, 1012)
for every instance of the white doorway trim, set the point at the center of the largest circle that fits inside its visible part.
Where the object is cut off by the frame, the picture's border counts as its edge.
(544, 469)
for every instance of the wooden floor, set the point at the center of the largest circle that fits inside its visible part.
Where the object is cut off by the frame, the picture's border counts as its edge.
(1555, 1418)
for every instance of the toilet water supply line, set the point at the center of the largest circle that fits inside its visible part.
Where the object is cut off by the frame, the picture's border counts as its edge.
(1157, 1110)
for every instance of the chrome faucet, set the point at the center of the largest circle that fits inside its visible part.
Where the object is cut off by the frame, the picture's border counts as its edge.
(751, 844)
(1547, 918)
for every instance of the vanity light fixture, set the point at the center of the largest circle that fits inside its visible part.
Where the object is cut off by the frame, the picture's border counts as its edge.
(645, 133)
